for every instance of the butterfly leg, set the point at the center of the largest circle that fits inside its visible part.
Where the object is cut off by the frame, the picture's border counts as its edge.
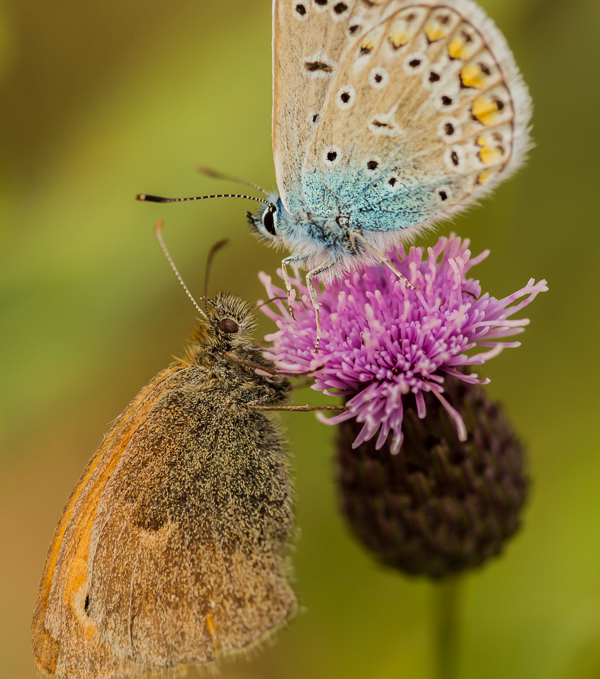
(294, 261)
(304, 409)
(312, 291)
(261, 404)
(355, 236)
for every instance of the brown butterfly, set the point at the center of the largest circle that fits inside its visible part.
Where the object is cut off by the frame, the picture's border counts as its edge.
(173, 547)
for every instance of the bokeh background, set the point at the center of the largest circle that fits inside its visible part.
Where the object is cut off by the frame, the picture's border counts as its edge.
(106, 98)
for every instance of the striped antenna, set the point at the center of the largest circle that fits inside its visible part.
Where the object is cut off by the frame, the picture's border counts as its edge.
(147, 198)
(158, 230)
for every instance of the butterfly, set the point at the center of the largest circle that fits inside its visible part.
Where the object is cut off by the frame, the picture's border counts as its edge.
(388, 116)
(174, 545)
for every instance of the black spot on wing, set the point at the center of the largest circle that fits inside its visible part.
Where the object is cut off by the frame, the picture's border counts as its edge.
(314, 66)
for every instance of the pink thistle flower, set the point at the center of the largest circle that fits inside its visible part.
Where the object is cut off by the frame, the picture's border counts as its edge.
(383, 342)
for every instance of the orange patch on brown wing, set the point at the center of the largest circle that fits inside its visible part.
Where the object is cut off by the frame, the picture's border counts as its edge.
(81, 516)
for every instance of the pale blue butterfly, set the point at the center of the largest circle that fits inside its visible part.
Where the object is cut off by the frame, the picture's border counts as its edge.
(388, 116)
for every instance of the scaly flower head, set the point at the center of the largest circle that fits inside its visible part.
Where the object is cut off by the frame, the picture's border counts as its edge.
(441, 506)
(383, 342)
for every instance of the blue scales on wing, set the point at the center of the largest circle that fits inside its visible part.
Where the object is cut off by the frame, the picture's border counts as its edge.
(392, 113)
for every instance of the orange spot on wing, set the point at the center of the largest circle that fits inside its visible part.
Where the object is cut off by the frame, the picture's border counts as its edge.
(398, 39)
(484, 177)
(434, 33)
(210, 625)
(461, 46)
(485, 109)
(472, 76)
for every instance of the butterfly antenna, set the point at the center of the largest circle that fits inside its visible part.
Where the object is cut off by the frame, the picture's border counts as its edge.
(261, 304)
(209, 260)
(158, 229)
(215, 174)
(146, 197)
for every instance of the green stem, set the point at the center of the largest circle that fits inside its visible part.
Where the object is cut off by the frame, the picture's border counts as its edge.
(448, 599)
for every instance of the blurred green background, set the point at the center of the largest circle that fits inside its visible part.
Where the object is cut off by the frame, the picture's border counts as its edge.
(106, 98)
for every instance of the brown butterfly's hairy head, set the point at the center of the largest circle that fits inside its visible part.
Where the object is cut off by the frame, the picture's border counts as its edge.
(228, 329)
(232, 318)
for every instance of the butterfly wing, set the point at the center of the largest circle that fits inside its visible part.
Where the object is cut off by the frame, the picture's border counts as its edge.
(308, 38)
(157, 561)
(63, 637)
(425, 113)
(203, 505)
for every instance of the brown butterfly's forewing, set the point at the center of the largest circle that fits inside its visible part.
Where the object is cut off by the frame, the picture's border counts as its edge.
(173, 546)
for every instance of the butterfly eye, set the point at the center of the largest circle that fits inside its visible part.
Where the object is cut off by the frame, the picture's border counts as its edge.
(269, 221)
(228, 325)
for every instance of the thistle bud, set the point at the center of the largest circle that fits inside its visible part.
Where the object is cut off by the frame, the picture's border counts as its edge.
(441, 505)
